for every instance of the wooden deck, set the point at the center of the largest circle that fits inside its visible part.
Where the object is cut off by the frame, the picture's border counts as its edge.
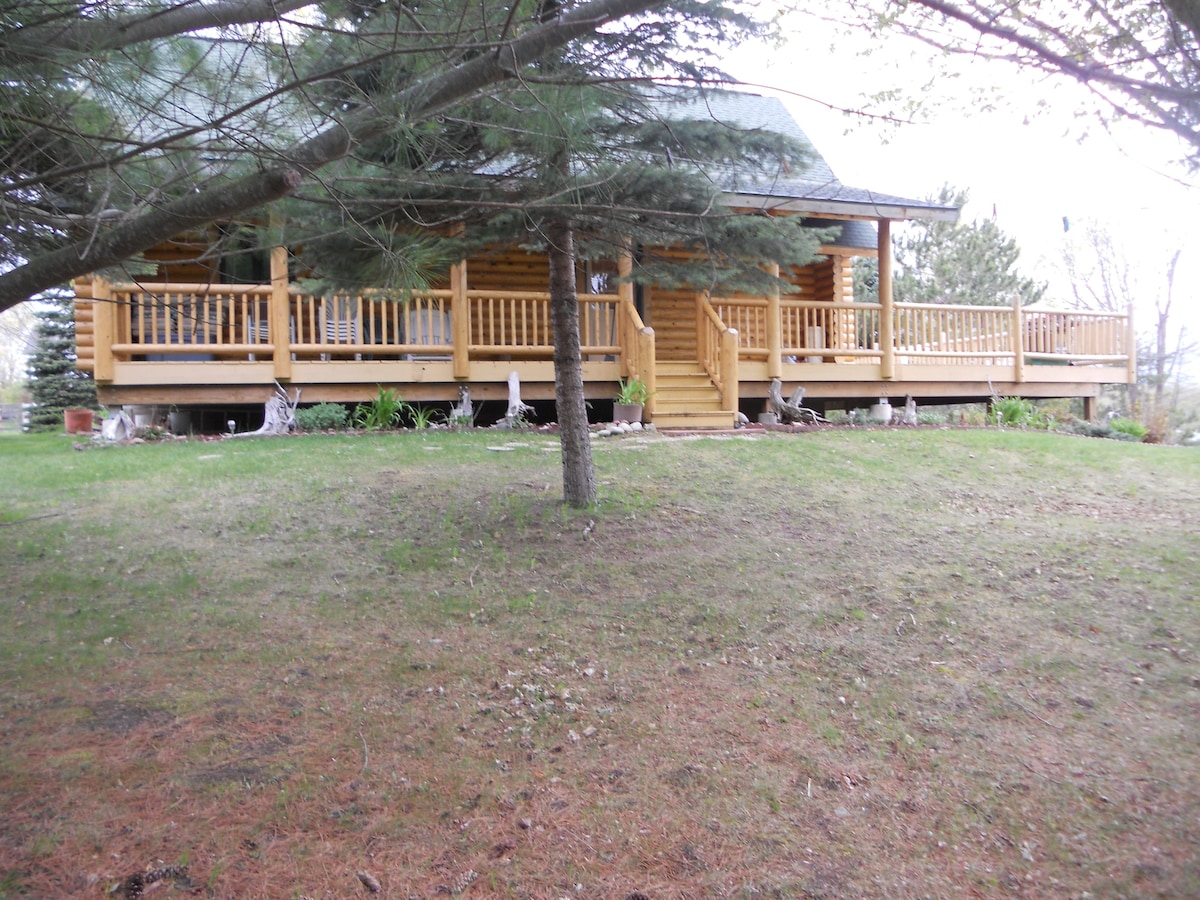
(704, 357)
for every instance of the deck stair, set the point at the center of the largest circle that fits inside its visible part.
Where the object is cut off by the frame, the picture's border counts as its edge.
(686, 398)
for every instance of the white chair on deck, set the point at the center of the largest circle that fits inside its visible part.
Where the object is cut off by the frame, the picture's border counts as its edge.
(340, 325)
(428, 326)
(258, 331)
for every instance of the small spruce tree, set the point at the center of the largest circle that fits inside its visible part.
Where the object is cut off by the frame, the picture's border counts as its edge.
(54, 381)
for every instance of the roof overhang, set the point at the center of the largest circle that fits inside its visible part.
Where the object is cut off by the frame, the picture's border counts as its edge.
(883, 208)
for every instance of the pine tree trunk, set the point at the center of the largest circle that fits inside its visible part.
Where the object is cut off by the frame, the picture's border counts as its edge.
(579, 475)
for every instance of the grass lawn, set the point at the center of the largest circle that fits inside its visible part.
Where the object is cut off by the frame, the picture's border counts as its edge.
(849, 663)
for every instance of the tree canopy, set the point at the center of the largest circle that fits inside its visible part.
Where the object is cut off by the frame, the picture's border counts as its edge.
(954, 262)
(1140, 60)
(124, 125)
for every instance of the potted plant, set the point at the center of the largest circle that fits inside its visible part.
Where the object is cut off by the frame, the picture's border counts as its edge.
(78, 420)
(630, 400)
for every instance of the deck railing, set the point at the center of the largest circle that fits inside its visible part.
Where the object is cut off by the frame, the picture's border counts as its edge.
(185, 321)
(156, 322)
(519, 322)
(260, 323)
(848, 333)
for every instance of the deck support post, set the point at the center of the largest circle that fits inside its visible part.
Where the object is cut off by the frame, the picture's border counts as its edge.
(279, 316)
(104, 316)
(460, 319)
(1018, 342)
(1130, 347)
(887, 335)
(774, 330)
(1090, 408)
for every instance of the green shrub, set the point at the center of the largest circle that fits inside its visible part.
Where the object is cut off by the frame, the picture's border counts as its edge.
(1130, 429)
(382, 412)
(322, 417)
(1087, 429)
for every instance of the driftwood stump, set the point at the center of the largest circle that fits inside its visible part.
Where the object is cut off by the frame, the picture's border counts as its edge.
(464, 412)
(516, 409)
(790, 412)
(279, 414)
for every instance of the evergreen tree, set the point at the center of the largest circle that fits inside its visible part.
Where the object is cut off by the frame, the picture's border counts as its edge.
(951, 262)
(572, 169)
(573, 162)
(54, 382)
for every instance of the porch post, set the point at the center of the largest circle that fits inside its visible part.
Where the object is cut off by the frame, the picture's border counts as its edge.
(774, 330)
(279, 318)
(729, 368)
(887, 336)
(1018, 341)
(645, 353)
(460, 319)
(103, 320)
(625, 333)
(1131, 346)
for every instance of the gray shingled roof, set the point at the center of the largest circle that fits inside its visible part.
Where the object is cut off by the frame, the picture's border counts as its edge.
(815, 189)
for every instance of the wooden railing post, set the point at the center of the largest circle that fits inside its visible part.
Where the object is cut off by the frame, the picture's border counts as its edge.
(625, 308)
(460, 320)
(702, 302)
(1131, 342)
(645, 353)
(104, 316)
(279, 316)
(774, 330)
(887, 331)
(729, 368)
(1018, 341)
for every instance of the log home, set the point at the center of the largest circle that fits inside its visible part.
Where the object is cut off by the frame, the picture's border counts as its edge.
(207, 331)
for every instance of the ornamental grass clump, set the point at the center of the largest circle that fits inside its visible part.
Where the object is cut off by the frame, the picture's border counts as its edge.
(382, 412)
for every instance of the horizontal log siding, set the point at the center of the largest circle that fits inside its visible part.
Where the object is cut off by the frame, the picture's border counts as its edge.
(85, 327)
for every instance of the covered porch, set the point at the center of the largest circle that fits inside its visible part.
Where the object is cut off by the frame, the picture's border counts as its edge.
(704, 359)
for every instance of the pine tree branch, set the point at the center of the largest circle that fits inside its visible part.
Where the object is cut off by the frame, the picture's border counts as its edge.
(95, 36)
(424, 98)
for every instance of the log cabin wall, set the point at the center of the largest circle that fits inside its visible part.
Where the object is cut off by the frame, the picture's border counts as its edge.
(185, 261)
(510, 270)
(85, 326)
(672, 315)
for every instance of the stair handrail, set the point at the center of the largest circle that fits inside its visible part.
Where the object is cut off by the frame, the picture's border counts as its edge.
(637, 343)
(718, 352)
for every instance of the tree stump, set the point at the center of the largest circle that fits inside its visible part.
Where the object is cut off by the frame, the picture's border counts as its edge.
(790, 412)
(515, 415)
(279, 415)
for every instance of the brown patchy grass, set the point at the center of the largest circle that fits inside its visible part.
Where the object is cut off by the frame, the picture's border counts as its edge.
(841, 664)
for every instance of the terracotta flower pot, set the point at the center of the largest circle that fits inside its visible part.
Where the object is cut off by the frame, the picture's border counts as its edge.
(77, 421)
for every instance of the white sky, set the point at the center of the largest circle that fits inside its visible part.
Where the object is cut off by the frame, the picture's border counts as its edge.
(1031, 174)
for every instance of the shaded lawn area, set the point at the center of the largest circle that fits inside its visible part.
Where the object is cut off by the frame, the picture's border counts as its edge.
(885, 663)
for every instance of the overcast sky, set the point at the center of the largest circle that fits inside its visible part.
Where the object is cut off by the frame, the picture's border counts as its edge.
(1025, 162)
